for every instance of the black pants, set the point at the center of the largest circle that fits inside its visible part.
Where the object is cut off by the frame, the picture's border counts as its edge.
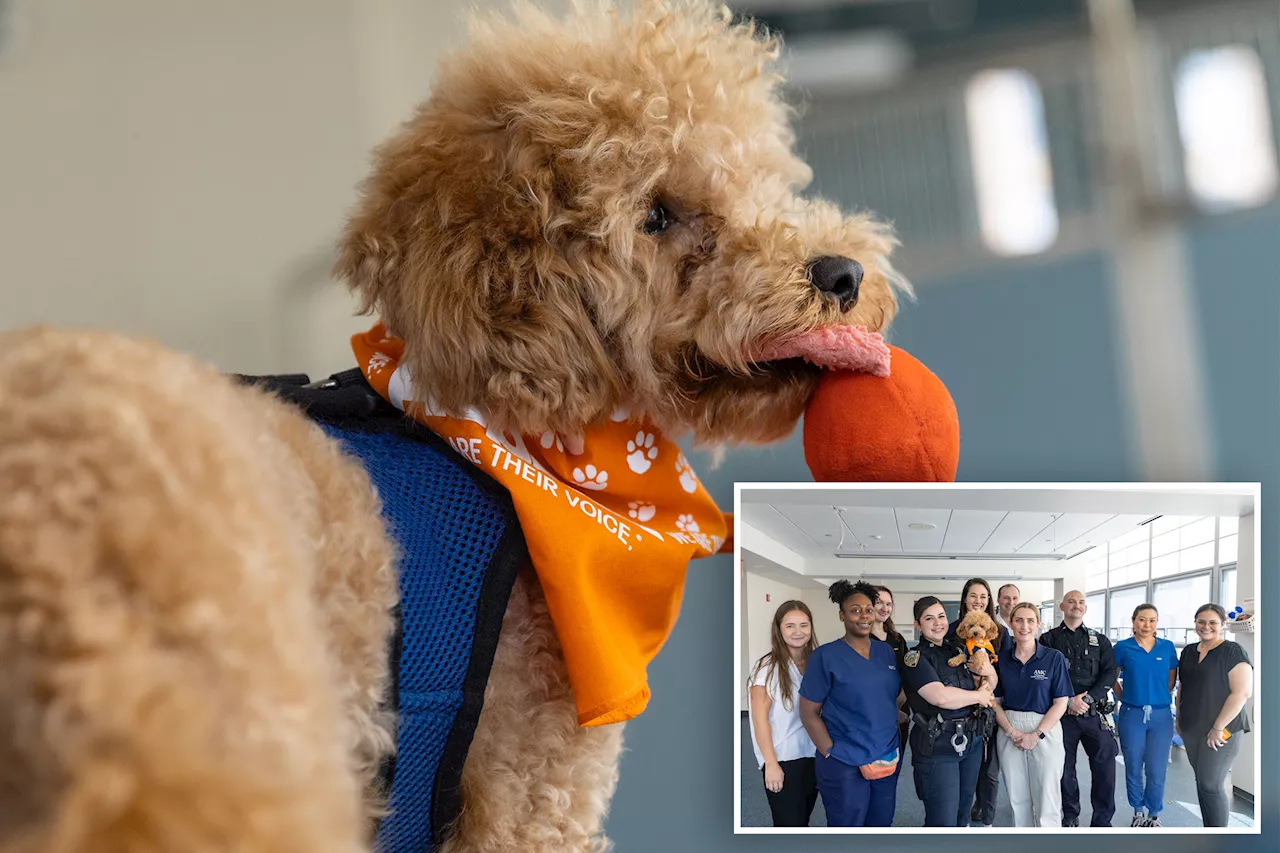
(1101, 748)
(1211, 767)
(793, 805)
(984, 807)
(945, 780)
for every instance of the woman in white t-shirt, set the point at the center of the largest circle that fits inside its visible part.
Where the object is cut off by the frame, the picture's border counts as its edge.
(784, 751)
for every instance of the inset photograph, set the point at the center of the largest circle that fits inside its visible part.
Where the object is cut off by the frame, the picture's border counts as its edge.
(1007, 657)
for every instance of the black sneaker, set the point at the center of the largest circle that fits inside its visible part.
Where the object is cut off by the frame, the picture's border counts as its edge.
(1139, 819)
(1071, 821)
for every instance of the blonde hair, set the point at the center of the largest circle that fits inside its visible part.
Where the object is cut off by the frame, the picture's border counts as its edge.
(1025, 605)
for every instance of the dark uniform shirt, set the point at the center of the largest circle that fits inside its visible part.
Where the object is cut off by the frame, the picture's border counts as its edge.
(1032, 686)
(1091, 663)
(898, 643)
(927, 663)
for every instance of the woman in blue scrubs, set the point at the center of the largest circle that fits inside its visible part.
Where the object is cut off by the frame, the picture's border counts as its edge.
(1148, 667)
(849, 706)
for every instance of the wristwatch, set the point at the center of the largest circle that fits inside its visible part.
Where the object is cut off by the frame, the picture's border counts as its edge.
(1042, 736)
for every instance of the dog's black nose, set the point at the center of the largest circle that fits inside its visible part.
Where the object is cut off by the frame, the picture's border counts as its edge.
(838, 278)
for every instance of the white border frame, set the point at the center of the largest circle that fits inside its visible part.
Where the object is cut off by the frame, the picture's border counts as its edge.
(1254, 491)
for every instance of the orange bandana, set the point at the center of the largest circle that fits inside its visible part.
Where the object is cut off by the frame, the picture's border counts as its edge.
(611, 518)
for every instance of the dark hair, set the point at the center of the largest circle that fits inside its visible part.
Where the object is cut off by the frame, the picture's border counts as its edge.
(1142, 607)
(991, 602)
(778, 659)
(841, 591)
(991, 599)
(888, 622)
(1216, 608)
(923, 604)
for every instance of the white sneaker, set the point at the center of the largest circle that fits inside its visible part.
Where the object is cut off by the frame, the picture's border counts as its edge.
(1139, 819)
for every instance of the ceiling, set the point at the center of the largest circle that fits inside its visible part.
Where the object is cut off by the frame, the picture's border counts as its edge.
(977, 522)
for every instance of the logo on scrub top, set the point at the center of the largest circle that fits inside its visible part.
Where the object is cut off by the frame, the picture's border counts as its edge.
(1040, 675)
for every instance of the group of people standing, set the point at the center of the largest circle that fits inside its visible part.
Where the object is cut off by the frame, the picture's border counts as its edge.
(835, 720)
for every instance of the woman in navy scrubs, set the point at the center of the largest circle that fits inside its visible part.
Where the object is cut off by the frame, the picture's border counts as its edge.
(849, 706)
(976, 595)
(946, 740)
(1148, 666)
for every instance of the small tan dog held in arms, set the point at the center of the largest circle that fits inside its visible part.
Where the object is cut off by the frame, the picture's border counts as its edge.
(978, 632)
(196, 584)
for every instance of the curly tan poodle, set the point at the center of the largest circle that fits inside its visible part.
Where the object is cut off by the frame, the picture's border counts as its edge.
(196, 585)
(978, 632)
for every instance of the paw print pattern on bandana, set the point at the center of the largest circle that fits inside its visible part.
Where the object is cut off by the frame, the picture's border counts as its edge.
(688, 479)
(378, 362)
(641, 511)
(641, 452)
(591, 478)
(687, 524)
(573, 444)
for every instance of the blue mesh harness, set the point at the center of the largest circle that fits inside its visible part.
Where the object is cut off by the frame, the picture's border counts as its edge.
(460, 547)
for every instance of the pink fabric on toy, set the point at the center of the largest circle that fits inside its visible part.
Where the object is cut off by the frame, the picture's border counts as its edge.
(836, 348)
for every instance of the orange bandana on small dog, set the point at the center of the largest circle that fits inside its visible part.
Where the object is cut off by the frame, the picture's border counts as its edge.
(611, 518)
(973, 645)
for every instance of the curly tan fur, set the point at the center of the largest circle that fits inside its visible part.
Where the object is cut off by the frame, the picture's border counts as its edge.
(976, 627)
(195, 584)
(194, 597)
(505, 218)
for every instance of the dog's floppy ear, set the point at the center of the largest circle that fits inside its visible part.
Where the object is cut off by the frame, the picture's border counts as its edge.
(447, 247)
(993, 630)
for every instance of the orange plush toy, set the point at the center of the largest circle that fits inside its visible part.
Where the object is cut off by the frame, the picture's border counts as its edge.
(862, 426)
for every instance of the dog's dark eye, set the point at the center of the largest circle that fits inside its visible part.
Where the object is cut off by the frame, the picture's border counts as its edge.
(658, 220)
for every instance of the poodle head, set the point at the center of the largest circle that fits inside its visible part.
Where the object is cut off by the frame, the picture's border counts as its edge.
(604, 213)
(977, 625)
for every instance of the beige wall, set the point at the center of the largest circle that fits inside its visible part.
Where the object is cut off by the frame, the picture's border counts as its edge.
(757, 615)
(180, 169)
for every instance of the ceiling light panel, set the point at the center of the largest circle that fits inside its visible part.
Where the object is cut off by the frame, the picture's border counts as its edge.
(922, 541)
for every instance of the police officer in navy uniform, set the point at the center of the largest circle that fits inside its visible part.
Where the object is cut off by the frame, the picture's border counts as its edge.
(949, 720)
(1092, 669)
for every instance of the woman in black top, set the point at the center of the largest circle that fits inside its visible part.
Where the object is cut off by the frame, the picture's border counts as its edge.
(1216, 680)
(884, 629)
(946, 734)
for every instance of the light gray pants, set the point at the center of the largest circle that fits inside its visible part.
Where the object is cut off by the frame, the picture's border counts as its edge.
(1211, 767)
(1033, 777)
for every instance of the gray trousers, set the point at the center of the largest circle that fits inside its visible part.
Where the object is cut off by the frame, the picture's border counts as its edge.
(1211, 767)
